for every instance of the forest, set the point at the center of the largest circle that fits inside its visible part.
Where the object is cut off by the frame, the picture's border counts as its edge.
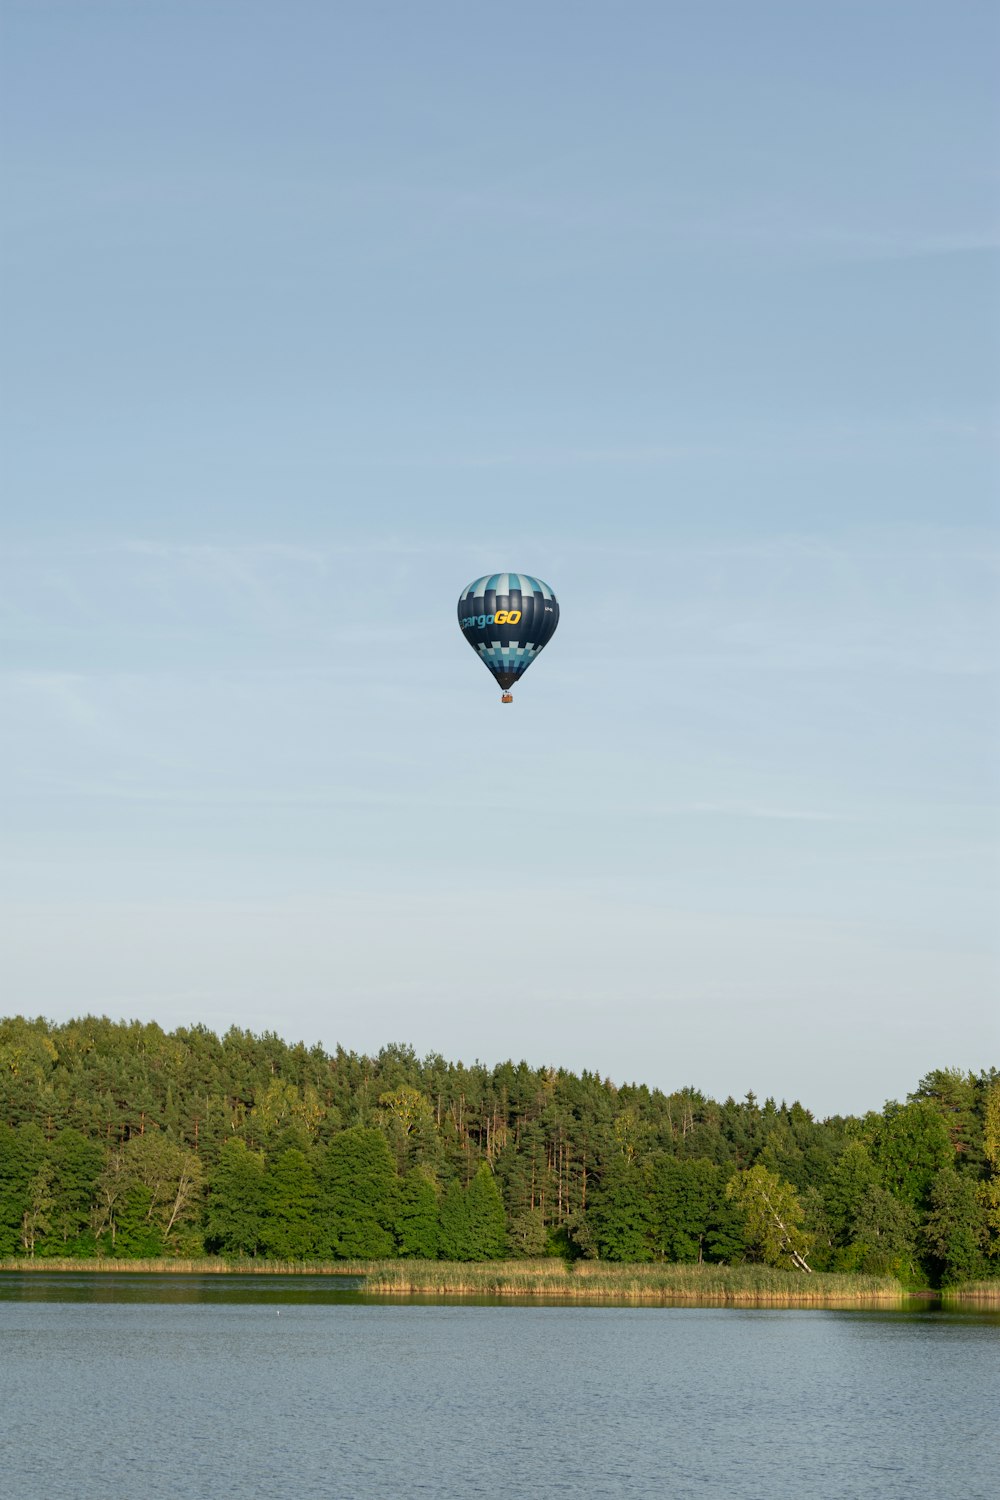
(121, 1139)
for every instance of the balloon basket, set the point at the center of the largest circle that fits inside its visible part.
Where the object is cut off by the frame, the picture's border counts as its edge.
(506, 697)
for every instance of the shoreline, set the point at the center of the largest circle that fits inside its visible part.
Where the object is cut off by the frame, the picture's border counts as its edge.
(576, 1282)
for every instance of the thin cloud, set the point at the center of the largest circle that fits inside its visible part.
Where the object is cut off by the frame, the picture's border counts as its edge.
(236, 557)
(65, 694)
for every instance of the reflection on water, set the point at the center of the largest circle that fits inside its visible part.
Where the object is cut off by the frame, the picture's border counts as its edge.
(180, 1388)
(154, 1286)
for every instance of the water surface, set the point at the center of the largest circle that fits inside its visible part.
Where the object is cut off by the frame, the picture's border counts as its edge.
(192, 1387)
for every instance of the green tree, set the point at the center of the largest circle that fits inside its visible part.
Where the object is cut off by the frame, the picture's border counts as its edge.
(174, 1178)
(910, 1144)
(852, 1176)
(816, 1223)
(408, 1121)
(28, 1061)
(76, 1170)
(417, 1218)
(772, 1216)
(527, 1236)
(290, 1230)
(279, 1105)
(36, 1220)
(148, 1193)
(583, 1166)
(881, 1238)
(955, 1095)
(453, 1222)
(725, 1238)
(955, 1229)
(359, 1196)
(682, 1194)
(234, 1213)
(989, 1189)
(124, 1209)
(22, 1153)
(486, 1224)
(618, 1216)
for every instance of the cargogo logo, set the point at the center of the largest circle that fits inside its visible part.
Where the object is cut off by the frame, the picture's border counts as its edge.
(502, 617)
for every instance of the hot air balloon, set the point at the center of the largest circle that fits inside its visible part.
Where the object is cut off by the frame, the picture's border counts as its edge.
(507, 618)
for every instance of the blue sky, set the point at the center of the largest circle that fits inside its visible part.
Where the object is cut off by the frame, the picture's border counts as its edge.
(315, 313)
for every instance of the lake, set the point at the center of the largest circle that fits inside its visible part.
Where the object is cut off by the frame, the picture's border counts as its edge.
(137, 1387)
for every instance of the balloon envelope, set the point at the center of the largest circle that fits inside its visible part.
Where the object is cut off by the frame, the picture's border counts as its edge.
(507, 618)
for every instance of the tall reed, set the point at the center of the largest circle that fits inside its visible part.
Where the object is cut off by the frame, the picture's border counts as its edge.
(973, 1291)
(198, 1265)
(579, 1281)
(594, 1281)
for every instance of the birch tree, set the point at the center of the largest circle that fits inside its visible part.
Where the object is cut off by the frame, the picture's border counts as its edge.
(772, 1217)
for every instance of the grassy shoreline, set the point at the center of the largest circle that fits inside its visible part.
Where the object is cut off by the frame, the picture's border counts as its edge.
(581, 1281)
(596, 1281)
(984, 1292)
(207, 1265)
(577, 1281)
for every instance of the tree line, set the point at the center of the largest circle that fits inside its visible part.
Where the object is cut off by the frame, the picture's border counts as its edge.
(119, 1138)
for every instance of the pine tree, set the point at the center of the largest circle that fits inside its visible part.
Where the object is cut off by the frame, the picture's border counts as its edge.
(527, 1237)
(453, 1223)
(486, 1225)
(359, 1196)
(417, 1218)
